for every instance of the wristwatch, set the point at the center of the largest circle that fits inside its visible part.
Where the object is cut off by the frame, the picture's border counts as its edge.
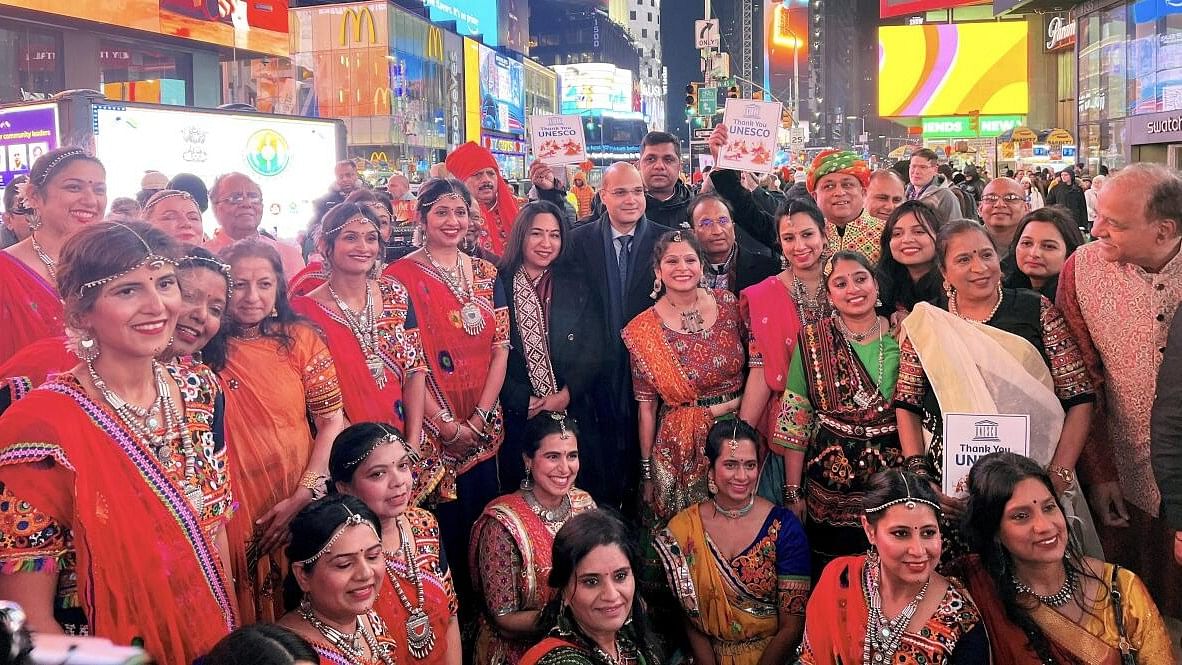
(1064, 474)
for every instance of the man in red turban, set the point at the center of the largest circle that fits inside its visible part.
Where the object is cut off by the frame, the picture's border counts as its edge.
(475, 165)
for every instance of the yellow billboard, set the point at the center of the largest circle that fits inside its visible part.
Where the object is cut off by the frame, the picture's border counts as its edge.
(953, 69)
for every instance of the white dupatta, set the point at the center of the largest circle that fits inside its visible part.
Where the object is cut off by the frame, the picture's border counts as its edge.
(976, 368)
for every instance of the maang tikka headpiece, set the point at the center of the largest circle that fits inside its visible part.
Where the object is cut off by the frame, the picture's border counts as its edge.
(908, 501)
(560, 418)
(151, 259)
(353, 519)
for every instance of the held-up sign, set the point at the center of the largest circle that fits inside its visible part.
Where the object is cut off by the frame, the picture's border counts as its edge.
(970, 436)
(752, 128)
(557, 140)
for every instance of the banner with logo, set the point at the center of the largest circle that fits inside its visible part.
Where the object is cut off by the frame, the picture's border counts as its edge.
(970, 436)
(752, 128)
(557, 140)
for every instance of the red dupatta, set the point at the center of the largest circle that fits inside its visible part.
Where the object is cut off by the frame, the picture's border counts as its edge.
(29, 307)
(147, 570)
(38, 360)
(837, 615)
(459, 362)
(774, 324)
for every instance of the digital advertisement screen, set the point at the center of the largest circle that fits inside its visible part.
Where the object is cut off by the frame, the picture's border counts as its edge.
(26, 133)
(502, 93)
(287, 157)
(888, 8)
(472, 17)
(941, 69)
(594, 87)
(255, 25)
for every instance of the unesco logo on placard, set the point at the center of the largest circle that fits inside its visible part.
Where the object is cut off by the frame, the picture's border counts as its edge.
(985, 430)
(267, 152)
(752, 111)
(555, 120)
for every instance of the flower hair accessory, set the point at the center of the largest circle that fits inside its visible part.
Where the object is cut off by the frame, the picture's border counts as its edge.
(22, 196)
(354, 519)
(152, 260)
(908, 501)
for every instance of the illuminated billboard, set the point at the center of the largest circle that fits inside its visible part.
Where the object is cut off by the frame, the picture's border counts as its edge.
(941, 69)
(254, 25)
(472, 17)
(594, 86)
(26, 133)
(888, 8)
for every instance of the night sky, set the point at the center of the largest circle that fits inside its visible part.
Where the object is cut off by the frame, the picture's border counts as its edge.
(680, 56)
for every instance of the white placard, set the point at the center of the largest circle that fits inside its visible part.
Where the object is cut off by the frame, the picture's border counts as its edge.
(970, 436)
(706, 33)
(752, 127)
(557, 140)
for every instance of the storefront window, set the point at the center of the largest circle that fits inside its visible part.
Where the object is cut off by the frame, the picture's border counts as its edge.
(142, 73)
(38, 71)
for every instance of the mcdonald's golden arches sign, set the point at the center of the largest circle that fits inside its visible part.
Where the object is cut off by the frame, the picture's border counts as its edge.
(365, 28)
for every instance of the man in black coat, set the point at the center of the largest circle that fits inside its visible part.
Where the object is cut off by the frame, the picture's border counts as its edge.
(734, 260)
(666, 197)
(615, 254)
(1067, 193)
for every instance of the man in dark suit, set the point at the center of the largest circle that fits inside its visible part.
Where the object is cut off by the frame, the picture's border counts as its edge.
(734, 259)
(615, 253)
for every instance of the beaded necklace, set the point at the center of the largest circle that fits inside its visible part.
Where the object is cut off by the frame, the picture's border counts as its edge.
(364, 326)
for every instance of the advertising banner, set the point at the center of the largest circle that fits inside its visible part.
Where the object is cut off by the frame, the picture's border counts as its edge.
(502, 93)
(557, 140)
(753, 127)
(970, 436)
(26, 133)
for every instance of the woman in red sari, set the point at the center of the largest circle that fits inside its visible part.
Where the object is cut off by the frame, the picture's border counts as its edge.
(464, 321)
(67, 188)
(277, 372)
(774, 311)
(372, 462)
(369, 325)
(120, 464)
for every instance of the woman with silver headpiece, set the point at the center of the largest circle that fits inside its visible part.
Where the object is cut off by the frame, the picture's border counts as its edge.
(890, 606)
(176, 213)
(120, 464)
(66, 189)
(333, 580)
(373, 462)
(511, 542)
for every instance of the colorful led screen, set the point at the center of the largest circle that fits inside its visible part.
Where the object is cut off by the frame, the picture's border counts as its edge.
(943, 69)
(888, 8)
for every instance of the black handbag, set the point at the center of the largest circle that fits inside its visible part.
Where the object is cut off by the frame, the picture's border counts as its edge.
(1128, 655)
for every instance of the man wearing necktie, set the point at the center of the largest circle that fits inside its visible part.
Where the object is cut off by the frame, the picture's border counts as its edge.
(615, 255)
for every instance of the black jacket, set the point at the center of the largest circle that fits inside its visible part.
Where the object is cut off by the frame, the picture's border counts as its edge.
(750, 217)
(672, 213)
(1072, 198)
(753, 264)
(1165, 426)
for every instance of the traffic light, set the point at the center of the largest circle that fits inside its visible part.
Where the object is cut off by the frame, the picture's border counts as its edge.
(975, 121)
(691, 97)
(733, 92)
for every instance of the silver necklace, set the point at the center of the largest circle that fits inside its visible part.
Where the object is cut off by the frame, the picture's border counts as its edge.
(1057, 599)
(420, 637)
(46, 260)
(862, 397)
(457, 280)
(883, 636)
(350, 645)
(809, 310)
(364, 326)
(157, 428)
(691, 319)
(737, 512)
(557, 515)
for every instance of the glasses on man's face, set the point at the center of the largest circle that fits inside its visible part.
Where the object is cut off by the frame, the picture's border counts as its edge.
(707, 223)
(1009, 199)
(621, 193)
(239, 197)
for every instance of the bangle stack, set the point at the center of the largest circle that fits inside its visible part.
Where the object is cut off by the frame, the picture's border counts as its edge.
(646, 469)
(792, 494)
(920, 466)
(316, 483)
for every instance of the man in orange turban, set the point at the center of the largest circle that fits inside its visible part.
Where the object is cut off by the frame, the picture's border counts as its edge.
(475, 165)
(837, 180)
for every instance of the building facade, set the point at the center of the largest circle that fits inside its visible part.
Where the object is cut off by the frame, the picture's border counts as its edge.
(643, 21)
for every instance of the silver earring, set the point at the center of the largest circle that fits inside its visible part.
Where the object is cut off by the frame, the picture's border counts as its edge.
(88, 349)
(527, 483)
(703, 282)
(878, 302)
(656, 292)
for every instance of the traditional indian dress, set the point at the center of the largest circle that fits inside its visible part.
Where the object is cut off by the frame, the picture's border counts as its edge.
(270, 390)
(511, 549)
(838, 611)
(30, 366)
(837, 411)
(688, 373)
(29, 307)
(439, 596)
(567, 645)
(398, 353)
(863, 235)
(1092, 641)
(330, 654)
(773, 319)
(737, 602)
(86, 498)
(312, 277)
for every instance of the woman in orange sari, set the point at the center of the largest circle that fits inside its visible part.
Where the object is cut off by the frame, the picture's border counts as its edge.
(369, 325)
(464, 321)
(277, 370)
(119, 465)
(687, 369)
(67, 188)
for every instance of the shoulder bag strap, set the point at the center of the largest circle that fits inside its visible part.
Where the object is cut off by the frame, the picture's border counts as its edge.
(1128, 655)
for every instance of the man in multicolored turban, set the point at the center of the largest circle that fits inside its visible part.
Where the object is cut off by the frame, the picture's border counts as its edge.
(837, 180)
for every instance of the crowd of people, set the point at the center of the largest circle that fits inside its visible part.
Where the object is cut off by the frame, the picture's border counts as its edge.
(649, 423)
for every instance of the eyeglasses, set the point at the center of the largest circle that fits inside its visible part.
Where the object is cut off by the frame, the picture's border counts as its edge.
(992, 199)
(238, 197)
(707, 223)
(621, 193)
